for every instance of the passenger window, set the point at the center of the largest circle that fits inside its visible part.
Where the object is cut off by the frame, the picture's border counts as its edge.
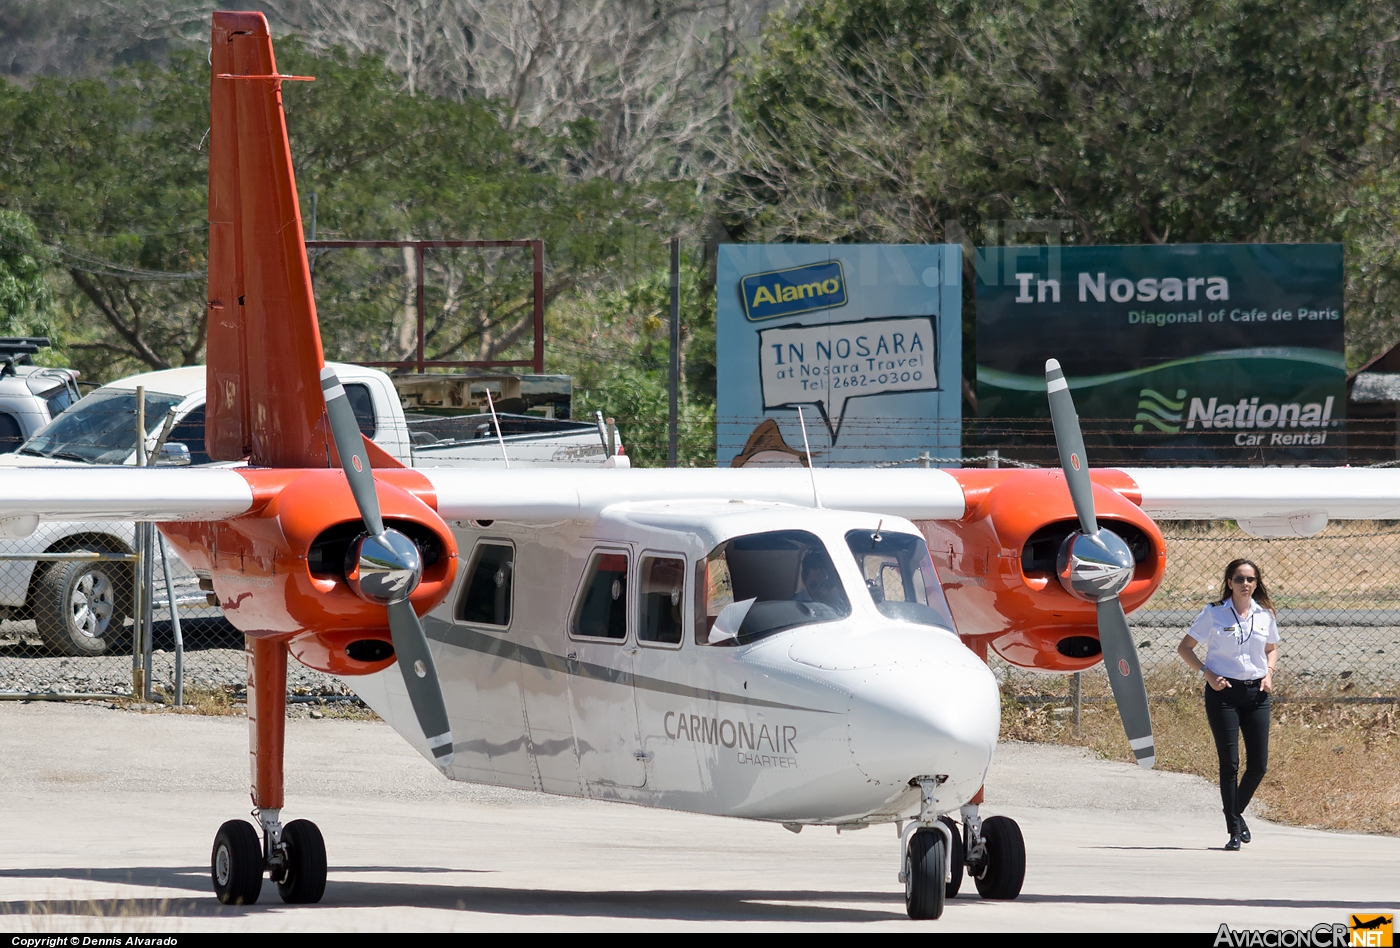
(10, 433)
(486, 596)
(362, 403)
(602, 609)
(659, 603)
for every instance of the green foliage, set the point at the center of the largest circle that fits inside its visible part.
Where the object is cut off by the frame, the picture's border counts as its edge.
(617, 346)
(114, 173)
(26, 299)
(993, 121)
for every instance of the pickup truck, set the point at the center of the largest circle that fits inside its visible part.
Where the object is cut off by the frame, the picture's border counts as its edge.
(78, 606)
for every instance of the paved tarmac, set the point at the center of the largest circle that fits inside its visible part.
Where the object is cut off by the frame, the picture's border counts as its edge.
(110, 816)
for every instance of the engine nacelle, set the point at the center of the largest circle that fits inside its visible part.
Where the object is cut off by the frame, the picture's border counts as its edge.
(999, 564)
(279, 572)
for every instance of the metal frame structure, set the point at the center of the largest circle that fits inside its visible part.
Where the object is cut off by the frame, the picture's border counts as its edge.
(420, 363)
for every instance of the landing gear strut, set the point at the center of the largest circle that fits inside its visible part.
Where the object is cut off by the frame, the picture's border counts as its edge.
(928, 843)
(293, 856)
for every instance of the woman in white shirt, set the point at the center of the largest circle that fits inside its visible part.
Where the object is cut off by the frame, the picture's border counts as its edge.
(1241, 637)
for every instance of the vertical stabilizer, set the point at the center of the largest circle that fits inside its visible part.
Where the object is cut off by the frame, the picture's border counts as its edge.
(264, 346)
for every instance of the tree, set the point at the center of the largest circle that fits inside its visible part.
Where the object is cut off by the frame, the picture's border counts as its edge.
(26, 299)
(616, 344)
(114, 173)
(635, 89)
(1181, 121)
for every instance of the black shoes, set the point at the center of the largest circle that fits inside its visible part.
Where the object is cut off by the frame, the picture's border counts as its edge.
(1244, 830)
(1233, 845)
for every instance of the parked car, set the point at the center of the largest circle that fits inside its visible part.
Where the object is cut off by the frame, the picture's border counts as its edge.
(79, 607)
(30, 396)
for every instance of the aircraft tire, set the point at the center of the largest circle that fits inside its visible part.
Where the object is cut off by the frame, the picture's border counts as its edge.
(305, 879)
(923, 881)
(955, 858)
(1005, 867)
(236, 864)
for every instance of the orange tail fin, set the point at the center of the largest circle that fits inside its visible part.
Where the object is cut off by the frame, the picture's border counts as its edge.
(264, 344)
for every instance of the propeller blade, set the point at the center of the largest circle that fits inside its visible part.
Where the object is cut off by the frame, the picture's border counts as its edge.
(350, 445)
(1070, 442)
(420, 677)
(1120, 659)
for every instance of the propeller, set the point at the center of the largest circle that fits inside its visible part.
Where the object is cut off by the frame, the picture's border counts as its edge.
(383, 566)
(1095, 564)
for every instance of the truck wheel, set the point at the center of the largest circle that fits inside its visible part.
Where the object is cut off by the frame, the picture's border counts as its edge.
(79, 607)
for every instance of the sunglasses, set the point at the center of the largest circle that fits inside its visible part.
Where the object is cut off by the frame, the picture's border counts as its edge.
(1243, 579)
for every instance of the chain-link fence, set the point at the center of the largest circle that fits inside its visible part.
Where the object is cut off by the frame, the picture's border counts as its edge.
(85, 612)
(1338, 601)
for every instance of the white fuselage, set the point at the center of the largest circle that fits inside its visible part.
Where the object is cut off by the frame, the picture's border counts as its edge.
(824, 723)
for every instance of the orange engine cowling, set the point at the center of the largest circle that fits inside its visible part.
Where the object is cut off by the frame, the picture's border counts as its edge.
(278, 571)
(997, 564)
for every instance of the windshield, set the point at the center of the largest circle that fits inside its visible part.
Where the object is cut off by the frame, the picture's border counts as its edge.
(899, 577)
(756, 585)
(99, 429)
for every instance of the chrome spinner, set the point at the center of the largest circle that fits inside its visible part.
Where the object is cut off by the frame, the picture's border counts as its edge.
(383, 569)
(1094, 567)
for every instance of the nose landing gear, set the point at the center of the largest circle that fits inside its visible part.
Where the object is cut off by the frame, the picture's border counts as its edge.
(934, 855)
(293, 856)
(928, 845)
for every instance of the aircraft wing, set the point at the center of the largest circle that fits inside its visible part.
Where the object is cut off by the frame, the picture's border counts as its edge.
(1296, 501)
(546, 495)
(1265, 501)
(122, 493)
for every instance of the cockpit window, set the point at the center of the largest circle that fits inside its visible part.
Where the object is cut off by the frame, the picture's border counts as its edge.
(899, 576)
(756, 585)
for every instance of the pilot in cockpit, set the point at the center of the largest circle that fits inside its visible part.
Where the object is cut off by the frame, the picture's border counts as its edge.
(819, 580)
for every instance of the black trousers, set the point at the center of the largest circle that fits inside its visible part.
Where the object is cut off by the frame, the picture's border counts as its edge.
(1243, 708)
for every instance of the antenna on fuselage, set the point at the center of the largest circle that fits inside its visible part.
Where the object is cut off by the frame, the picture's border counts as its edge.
(497, 422)
(816, 498)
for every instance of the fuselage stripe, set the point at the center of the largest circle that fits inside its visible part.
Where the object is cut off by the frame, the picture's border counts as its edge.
(475, 641)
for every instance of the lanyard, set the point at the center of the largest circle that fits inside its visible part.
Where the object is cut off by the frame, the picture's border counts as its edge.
(1241, 636)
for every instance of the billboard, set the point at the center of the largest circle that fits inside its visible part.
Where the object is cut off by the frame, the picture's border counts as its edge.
(1189, 352)
(865, 339)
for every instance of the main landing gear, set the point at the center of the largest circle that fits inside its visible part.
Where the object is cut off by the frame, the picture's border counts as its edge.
(293, 856)
(934, 855)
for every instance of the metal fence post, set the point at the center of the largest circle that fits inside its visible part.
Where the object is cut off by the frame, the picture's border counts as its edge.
(1077, 693)
(673, 454)
(138, 598)
(174, 622)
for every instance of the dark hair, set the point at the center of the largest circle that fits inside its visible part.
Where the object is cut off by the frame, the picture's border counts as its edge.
(1261, 592)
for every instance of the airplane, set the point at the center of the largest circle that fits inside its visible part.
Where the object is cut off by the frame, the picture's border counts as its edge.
(802, 646)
